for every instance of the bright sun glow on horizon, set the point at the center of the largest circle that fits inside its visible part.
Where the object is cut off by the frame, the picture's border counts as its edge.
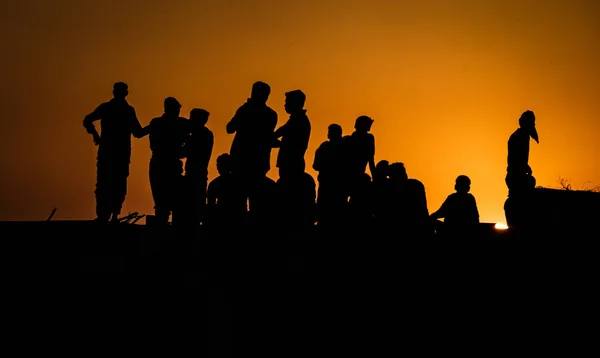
(500, 226)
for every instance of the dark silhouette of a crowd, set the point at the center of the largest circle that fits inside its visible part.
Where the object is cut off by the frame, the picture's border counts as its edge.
(243, 194)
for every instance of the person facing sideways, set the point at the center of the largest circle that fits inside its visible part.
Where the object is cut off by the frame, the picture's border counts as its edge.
(167, 133)
(118, 122)
(518, 170)
(459, 208)
(360, 151)
(198, 150)
(294, 134)
(226, 203)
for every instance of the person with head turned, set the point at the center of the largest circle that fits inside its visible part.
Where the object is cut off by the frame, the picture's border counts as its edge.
(118, 122)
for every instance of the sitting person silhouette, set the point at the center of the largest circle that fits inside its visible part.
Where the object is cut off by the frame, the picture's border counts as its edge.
(460, 208)
(408, 202)
(226, 203)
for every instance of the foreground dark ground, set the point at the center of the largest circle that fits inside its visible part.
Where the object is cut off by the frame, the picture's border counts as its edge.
(255, 290)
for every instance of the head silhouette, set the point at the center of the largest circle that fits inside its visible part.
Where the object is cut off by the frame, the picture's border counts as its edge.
(363, 124)
(463, 184)
(199, 117)
(382, 169)
(224, 164)
(172, 106)
(260, 92)
(120, 90)
(398, 172)
(527, 122)
(294, 101)
(334, 132)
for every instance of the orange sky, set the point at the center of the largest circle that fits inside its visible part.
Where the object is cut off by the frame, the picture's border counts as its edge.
(445, 81)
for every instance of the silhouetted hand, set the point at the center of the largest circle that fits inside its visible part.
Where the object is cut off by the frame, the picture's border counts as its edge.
(96, 138)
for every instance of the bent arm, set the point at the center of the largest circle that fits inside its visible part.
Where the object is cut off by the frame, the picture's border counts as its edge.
(142, 132)
(136, 128)
(88, 122)
(234, 123)
(442, 212)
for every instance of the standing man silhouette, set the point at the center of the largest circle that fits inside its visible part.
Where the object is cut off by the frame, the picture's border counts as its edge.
(518, 172)
(197, 150)
(168, 133)
(253, 124)
(118, 121)
(294, 134)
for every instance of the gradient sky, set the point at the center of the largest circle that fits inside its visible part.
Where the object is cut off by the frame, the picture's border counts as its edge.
(445, 81)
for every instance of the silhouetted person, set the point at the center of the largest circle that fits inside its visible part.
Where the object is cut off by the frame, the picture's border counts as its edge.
(118, 121)
(459, 210)
(360, 151)
(381, 190)
(331, 199)
(254, 125)
(297, 202)
(294, 134)
(409, 202)
(226, 203)
(518, 153)
(197, 149)
(519, 176)
(168, 133)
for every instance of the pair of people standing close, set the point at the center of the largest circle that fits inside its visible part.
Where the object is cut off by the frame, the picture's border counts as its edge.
(254, 126)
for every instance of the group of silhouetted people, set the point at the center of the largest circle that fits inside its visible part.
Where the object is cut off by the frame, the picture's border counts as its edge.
(243, 193)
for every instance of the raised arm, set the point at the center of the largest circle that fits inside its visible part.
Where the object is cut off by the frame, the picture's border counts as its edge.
(234, 123)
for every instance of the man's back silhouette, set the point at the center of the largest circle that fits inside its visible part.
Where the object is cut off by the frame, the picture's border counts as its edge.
(331, 199)
(118, 121)
(460, 208)
(226, 204)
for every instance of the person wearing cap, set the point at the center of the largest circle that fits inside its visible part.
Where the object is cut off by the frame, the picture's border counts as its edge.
(168, 133)
(518, 170)
(519, 176)
(118, 122)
